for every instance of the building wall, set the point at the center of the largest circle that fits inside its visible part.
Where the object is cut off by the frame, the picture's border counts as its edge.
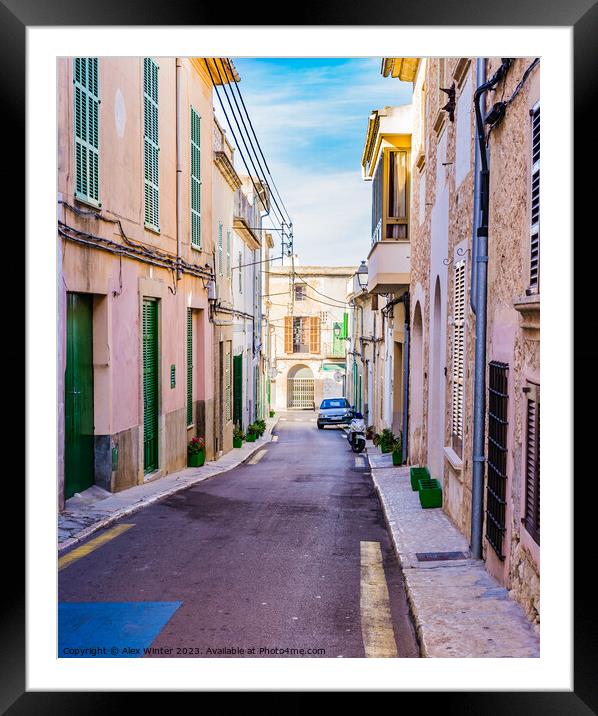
(510, 337)
(442, 211)
(119, 284)
(325, 295)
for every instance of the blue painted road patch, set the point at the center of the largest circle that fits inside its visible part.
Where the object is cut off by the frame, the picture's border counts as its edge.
(110, 629)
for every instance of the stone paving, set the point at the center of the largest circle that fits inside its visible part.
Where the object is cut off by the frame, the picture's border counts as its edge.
(458, 608)
(96, 508)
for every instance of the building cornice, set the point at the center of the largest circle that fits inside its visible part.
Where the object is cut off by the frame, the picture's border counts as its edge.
(405, 68)
(214, 70)
(226, 168)
(246, 233)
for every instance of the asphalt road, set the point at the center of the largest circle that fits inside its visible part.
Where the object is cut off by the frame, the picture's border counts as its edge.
(266, 556)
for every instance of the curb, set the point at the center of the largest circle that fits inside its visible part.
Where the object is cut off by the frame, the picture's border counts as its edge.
(423, 652)
(144, 502)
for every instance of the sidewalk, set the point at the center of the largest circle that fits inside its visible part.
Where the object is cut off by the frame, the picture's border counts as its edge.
(97, 508)
(459, 610)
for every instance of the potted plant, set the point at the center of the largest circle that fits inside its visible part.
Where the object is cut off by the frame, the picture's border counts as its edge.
(252, 433)
(397, 452)
(272, 413)
(196, 452)
(387, 440)
(238, 437)
(261, 426)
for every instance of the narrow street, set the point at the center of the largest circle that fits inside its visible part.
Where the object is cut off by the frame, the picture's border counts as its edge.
(266, 558)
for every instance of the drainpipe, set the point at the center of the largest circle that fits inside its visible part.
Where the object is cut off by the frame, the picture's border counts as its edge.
(481, 272)
(178, 169)
(481, 78)
(405, 442)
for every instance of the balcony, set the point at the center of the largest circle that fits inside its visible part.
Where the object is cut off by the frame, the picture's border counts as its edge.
(389, 266)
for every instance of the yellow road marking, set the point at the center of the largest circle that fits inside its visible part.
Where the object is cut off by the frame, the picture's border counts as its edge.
(90, 546)
(256, 458)
(376, 620)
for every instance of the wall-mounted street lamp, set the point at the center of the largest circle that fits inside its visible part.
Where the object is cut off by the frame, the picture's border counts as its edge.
(362, 276)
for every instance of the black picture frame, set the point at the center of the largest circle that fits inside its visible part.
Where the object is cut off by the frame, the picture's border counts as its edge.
(582, 16)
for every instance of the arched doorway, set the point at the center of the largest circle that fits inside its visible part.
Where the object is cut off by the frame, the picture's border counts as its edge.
(300, 387)
(436, 397)
(417, 383)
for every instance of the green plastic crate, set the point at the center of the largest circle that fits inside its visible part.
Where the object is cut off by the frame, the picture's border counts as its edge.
(430, 493)
(416, 474)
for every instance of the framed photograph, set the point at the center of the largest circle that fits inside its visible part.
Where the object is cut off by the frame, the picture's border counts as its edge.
(284, 434)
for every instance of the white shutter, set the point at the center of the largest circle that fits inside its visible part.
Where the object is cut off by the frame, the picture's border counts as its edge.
(458, 350)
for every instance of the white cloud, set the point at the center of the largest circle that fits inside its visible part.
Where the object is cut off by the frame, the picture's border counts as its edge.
(331, 215)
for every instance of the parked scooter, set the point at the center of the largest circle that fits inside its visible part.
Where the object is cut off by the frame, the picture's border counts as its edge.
(356, 433)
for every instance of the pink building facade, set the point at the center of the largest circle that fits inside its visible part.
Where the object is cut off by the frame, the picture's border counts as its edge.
(135, 254)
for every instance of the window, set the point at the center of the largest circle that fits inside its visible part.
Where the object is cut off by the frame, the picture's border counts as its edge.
(396, 220)
(314, 334)
(151, 147)
(189, 367)
(458, 356)
(301, 334)
(498, 403)
(390, 191)
(195, 179)
(534, 270)
(228, 271)
(531, 518)
(220, 257)
(240, 273)
(299, 292)
(86, 99)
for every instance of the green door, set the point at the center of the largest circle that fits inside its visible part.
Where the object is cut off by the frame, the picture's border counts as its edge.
(238, 390)
(78, 395)
(150, 385)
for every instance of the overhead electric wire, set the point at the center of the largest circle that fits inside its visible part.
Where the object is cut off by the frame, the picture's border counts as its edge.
(255, 171)
(232, 93)
(319, 292)
(259, 146)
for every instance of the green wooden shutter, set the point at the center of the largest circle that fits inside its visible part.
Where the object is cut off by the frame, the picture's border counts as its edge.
(195, 179)
(189, 367)
(238, 390)
(220, 258)
(87, 129)
(228, 254)
(151, 147)
(150, 385)
(228, 414)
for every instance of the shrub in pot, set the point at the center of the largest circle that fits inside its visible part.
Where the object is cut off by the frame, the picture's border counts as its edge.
(387, 440)
(196, 452)
(261, 426)
(238, 437)
(397, 452)
(252, 433)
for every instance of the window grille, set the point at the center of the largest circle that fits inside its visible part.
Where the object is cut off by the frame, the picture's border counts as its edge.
(151, 146)
(498, 403)
(87, 129)
(458, 356)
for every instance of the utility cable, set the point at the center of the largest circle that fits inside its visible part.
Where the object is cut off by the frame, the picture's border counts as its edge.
(235, 86)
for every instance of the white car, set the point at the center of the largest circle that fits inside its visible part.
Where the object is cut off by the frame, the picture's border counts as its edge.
(334, 411)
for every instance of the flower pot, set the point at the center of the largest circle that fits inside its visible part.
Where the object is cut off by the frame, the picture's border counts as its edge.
(397, 457)
(385, 448)
(271, 413)
(196, 459)
(417, 473)
(430, 493)
(237, 442)
(251, 437)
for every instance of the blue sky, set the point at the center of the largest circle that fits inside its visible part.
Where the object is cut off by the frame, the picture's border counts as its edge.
(310, 115)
